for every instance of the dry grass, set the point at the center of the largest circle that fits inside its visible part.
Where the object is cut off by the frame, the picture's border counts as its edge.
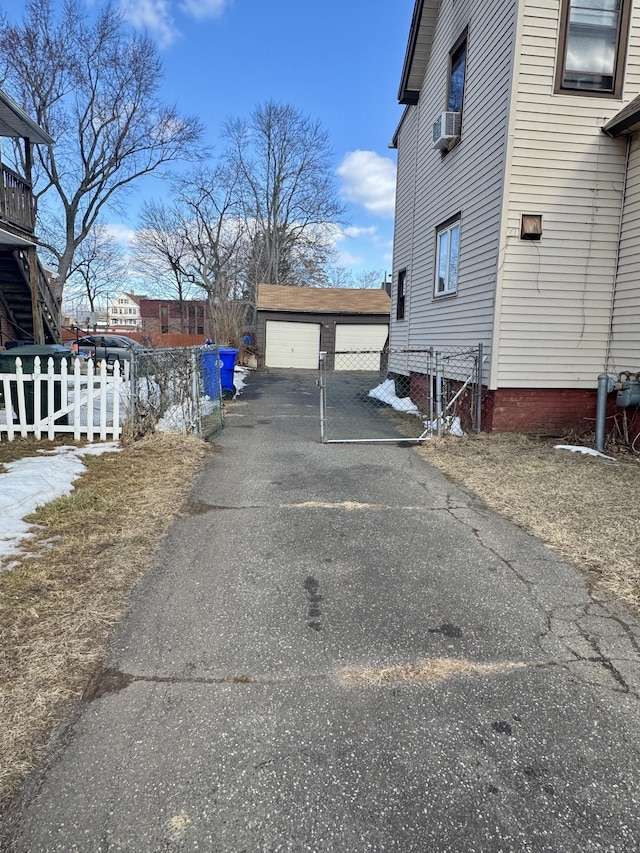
(586, 508)
(424, 672)
(59, 604)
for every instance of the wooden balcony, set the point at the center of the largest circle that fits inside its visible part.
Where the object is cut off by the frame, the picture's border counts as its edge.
(30, 303)
(16, 203)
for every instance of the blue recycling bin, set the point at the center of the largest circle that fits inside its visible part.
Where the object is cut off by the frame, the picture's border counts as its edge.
(210, 373)
(227, 364)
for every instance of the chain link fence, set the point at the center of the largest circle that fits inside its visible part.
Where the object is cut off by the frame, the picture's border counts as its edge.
(399, 395)
(175, 390)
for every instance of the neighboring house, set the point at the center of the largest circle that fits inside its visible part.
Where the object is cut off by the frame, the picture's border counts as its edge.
(518, 203)
(294, 324)
(161, 318)
(29, 306)
(124, 313)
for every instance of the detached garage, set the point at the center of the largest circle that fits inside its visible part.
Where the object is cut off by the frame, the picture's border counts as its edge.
(294, 324)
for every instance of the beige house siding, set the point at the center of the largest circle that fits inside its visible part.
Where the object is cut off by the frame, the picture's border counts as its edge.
(624, 352)
(467, 181)
(555, 295)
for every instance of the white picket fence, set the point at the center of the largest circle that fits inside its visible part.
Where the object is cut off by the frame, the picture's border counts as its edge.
(90, 403)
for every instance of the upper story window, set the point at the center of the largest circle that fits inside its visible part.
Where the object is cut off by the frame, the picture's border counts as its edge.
(457, 68)
(401, 294)
(447, 257)
(592, 48)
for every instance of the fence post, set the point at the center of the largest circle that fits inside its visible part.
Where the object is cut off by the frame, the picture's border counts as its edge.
(479, 370)
(431, 388)
(77, 391)
(438, 395)
(322, 384)
(195, 394)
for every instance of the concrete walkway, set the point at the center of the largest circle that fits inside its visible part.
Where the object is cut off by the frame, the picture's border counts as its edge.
(248, 704)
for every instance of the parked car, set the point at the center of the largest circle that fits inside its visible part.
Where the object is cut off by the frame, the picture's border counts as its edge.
(109, 347)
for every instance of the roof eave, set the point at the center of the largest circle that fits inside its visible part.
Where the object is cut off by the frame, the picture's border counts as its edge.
(625, 122)
(425, 14)
(21, 125)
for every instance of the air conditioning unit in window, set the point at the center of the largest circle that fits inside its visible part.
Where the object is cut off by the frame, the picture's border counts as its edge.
(446, 129)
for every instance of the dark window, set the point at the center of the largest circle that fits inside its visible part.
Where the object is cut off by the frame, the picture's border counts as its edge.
(400, 294)
(164, 319)
(458, 64)
(593, 41)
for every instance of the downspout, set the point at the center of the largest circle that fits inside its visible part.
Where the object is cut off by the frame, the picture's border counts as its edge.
(503, 236)
(617, 261)
(604, 382)
(601, 411)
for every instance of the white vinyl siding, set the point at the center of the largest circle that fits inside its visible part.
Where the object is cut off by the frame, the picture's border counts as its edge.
(358, 339)
(467, 181)
(555, 295)
(625, 338)
(290, 344)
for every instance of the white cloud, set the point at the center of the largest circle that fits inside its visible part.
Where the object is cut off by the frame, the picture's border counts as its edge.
(346, 259)
(354, 232)
(157, 16)
(201, 9)
(369, 180)
(120, 233)
(153, 16)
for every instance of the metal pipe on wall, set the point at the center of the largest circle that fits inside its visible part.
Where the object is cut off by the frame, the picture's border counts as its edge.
(601, 411)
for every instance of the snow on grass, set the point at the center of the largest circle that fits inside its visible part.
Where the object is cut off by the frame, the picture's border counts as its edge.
(386, 393)
(450, 426)
(578, 448)
(33, 481)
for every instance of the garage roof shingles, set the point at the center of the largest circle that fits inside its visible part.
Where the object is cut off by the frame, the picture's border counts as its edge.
(323, 300)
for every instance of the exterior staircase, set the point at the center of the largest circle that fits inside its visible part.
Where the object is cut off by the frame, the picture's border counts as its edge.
(29, 308)
(17, 299)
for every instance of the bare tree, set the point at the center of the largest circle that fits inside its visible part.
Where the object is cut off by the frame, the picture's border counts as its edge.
(283, 163)
(345, 277)
(160, 252)
(213, 229)
(94, 88)
(199, 238)
(98, 267)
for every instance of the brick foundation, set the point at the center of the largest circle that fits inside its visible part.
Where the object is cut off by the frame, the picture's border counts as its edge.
(542, 411)
(538, 411)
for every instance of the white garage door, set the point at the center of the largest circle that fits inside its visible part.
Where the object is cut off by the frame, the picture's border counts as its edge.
(352, 337)
(292, 344)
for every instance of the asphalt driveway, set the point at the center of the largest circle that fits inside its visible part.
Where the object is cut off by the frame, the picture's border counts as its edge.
(251, 699)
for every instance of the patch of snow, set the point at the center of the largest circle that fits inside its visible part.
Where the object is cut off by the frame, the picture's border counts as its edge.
(577, 448)
(33, 481)
(239, 376)
(450, 426)
(386, 393)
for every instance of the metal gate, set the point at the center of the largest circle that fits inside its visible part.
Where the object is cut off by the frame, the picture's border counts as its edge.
(391, 395)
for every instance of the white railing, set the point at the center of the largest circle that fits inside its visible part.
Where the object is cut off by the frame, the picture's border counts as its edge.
(84, 402)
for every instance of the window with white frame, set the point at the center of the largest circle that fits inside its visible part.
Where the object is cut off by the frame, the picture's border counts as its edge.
(447, 257)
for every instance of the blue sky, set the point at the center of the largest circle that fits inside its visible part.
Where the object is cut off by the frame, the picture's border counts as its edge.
(339, 61)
